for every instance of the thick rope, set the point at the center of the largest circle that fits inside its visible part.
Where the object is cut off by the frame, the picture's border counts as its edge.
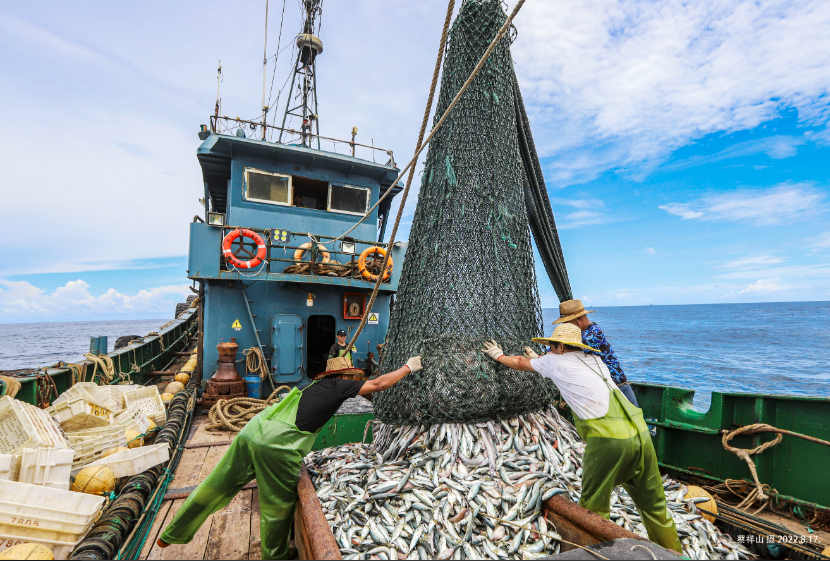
(106, 364)
(255, 362)
(12, 385)
(446, 114)
(442, 47)
(234, 414)
(745, 454)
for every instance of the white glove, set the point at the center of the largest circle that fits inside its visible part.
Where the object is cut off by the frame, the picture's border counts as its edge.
(530, 353)
(414, 364)
(493, 349)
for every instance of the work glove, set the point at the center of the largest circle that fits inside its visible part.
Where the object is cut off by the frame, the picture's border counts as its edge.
(530, 353)
(493, 349)
(414, 364)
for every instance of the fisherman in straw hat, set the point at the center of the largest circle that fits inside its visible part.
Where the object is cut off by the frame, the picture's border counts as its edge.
(572, 311)
(618, 447)
(270, 449)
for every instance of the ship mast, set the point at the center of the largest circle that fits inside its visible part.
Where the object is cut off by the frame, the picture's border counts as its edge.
(305, 74)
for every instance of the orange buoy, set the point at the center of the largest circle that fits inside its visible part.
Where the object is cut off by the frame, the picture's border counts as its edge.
(693, 491)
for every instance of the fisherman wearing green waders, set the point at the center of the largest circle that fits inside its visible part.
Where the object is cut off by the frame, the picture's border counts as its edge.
(618, 445)
(270, 449)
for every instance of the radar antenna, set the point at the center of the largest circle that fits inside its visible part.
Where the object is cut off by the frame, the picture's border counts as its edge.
(308, 46)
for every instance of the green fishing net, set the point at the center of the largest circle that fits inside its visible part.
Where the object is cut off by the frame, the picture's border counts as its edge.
(469, 270)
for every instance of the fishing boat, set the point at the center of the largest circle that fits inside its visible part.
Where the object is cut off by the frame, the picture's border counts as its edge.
(275, 277)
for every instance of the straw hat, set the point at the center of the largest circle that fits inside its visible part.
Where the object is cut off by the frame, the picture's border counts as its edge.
(571, 309)
(566, 333)
(348, 371)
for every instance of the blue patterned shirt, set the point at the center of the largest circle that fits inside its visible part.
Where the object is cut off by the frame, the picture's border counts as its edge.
(594, 337)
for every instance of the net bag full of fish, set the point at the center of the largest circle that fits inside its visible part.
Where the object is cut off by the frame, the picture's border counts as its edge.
(466, 451)
(469, 273)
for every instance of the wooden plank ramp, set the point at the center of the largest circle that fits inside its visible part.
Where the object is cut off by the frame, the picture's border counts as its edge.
(230, 533)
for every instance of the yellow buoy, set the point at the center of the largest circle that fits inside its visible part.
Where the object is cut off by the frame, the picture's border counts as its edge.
(94, 480)
(826, 551)
(114, 450)
(174, 387)
(132, 439)
(152, 425)
(692, 491)
(27, 551)
(183, 378)
(166, 397)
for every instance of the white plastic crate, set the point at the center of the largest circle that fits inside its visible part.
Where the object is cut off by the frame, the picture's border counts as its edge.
(9, 467)
(57, 519)
(134, 418)
(159, 418)
(49, 467)
(89, 448)
(60, 549)
(147, 398)
(135, 460)
(90, 391)
(77, 413)
(117, 391)
(25, 426)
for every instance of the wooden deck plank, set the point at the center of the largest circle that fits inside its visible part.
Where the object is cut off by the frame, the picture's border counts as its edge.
(255, 550)
(155, 529)
(193, 550)
(230, 532)
(214, 454)
(189, 468)
(202, 436)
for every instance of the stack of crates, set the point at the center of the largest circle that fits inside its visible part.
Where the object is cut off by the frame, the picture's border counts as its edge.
(52, 517)
(148, 400)
(32, 446)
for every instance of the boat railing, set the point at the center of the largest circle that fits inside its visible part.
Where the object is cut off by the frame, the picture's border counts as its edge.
(232, 127)
(282, 245)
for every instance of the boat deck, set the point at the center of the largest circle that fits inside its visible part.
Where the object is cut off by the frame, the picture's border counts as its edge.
(231, 533)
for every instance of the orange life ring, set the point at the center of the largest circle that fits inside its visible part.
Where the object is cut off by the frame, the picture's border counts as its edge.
(361, 264)
(233, 259)
(298, 255)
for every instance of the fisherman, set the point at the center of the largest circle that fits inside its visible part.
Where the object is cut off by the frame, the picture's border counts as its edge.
(573, 312)
(339, 348)
(618, 445)
(270, 449)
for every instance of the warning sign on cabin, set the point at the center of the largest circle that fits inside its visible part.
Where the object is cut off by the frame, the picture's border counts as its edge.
(236, 326)
(373, 319)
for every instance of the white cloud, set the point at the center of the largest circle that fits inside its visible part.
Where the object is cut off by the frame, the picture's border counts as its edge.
(633, 81)
(753, 262)
(588, 211)
(785, 203)
(764, 286)
(820, 242)
(23, 299)
(651, 250)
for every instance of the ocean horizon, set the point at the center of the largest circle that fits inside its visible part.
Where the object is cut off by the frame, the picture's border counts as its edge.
(771, 348)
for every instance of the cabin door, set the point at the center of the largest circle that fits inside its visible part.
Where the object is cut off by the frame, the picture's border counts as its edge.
(287, 341)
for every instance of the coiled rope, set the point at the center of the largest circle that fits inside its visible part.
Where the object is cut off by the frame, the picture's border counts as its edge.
(255, 362)
(12, 385)
(234, 414)
(106, 364)
(745, 454)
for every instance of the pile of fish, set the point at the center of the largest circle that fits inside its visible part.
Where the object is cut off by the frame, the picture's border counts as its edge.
(474, 491)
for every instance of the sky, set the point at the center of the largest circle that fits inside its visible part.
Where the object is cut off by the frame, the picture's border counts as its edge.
(684, 144)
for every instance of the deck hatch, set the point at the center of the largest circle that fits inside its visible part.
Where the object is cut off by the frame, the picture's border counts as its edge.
(287, 341)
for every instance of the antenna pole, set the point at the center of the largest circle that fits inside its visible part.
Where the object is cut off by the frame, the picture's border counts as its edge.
(264, 69)
(216, 109)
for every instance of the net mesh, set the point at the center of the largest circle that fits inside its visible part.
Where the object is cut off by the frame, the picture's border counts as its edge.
(469, 270)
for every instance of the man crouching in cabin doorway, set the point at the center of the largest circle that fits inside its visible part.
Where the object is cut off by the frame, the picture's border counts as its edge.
(270, 449)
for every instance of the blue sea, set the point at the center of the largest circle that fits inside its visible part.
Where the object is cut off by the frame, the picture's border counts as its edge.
(777, 348)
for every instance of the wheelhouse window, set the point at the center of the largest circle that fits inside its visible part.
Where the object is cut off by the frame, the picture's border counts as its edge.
(348, 199)
(267, 187)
